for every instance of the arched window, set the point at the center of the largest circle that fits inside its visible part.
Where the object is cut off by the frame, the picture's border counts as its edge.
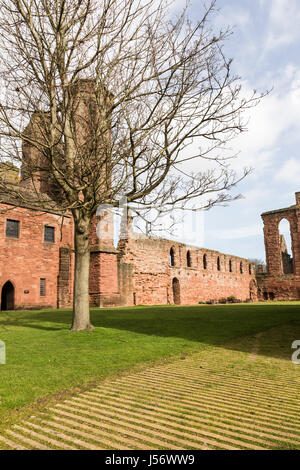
(230, 266)
(188, 259)
(218, 264)
(172, 257)
(241, 267)
(204, 261)
(286, 247)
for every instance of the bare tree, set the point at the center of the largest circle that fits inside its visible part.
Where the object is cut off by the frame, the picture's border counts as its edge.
(111, 94)
(258, 264)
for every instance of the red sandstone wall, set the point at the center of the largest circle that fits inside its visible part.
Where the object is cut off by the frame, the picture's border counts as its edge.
(104, 285)
(283, 287)
(272, 239)
(275, 285)
(26, 259)
(104, 276)
(139, 273)
(152, 275)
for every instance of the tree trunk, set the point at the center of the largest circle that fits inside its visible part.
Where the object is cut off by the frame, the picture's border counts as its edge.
(81, 310)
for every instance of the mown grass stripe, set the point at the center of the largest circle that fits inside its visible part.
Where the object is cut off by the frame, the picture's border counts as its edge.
(188, 427)
(246, 377)
(188, 431)
(112, 442)
(226, 389)
(84, 419)
(149, 428)
(249, 381)
(171, 435)
(127, 432)
(12, 444)
(182, 392)
(77, 432)
(210, 405)
(28, 440)
(115, 439)
(62, 436)
(251, 431)
(49, 440)
(208, 410)
(274, 393)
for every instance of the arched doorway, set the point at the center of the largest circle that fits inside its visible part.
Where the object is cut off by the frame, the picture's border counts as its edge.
(8, 296)
(176, 291)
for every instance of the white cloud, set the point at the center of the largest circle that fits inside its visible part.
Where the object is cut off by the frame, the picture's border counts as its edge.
(289, 172)
(256, 194)
(235, 16)
(283, 28)
(237, 233)
(276, 114)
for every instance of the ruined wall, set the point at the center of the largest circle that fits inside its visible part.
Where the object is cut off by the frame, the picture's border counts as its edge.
(65, 277)
(138, 272)
(104, 279)
(281, 282)
(28, 258)
(154, 281)
(280, 287)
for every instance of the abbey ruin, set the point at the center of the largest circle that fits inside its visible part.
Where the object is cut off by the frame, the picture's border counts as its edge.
(37, 256)
(282, 279)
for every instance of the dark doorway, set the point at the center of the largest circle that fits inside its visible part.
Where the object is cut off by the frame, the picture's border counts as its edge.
(176, 291)
(8, 296)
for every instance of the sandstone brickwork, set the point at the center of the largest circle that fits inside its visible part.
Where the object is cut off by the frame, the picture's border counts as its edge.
(155, 281)
(282, 280)
(27, 259)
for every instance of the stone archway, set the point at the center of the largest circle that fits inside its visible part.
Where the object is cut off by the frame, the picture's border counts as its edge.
(8, 296)
(176, 291)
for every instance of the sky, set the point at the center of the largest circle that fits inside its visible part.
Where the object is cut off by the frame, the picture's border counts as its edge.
(265, 52)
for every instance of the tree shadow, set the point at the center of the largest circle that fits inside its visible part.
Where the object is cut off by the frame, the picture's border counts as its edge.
(228, 326)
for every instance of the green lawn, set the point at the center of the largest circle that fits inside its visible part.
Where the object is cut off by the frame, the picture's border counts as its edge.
(44, 357)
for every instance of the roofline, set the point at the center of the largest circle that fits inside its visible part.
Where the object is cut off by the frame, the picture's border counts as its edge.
(192, 247)
(38, 209)
(285, 209)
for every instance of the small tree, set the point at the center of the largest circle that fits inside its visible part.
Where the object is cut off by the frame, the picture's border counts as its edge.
(152, 85)
(258, 263)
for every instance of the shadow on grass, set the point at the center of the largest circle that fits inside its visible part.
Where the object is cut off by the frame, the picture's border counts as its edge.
(212, 325)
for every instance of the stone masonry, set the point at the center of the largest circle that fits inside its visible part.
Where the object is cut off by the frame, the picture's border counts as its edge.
(28, 258)
(36, 247)
(282, 279)
(150, 275)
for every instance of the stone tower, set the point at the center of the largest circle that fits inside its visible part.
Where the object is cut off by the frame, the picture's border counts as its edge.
(35, 165)
(91, 133)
